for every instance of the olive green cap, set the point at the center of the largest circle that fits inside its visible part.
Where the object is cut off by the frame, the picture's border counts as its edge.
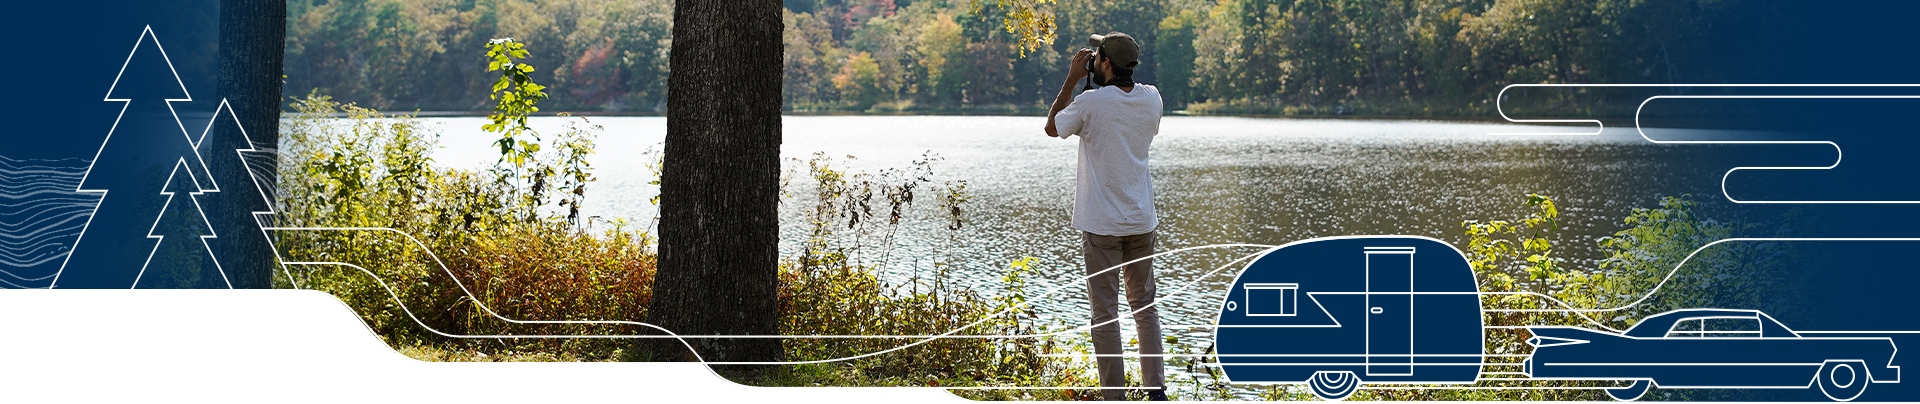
(1117, 46)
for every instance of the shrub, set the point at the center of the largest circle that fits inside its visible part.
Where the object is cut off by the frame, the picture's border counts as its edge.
(363, 169)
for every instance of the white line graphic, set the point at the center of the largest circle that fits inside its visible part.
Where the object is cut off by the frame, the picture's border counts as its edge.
(210, 186)
(954, 333)
(1723, 178)
(47, 211)
(683, 338)
(162, 240)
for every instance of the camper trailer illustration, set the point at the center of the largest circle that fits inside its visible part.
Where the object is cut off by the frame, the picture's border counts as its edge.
(1336, 313)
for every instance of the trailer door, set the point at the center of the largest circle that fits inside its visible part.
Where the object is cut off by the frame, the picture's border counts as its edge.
(1389, 311)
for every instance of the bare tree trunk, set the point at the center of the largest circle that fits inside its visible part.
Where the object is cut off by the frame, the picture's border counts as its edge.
(252, 49)
(719, 230)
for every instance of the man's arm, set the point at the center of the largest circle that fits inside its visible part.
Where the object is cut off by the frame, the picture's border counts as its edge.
(1075, 72)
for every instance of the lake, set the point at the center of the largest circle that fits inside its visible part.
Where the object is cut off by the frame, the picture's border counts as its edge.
(1217, 180)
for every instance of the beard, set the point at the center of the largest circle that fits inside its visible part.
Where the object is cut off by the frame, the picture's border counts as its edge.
(1100, 80)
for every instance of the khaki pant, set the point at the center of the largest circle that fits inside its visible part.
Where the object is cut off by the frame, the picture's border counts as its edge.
(1103, 252)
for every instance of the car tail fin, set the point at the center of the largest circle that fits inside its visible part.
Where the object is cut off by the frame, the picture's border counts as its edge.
(1557, 336)
(1538, 341)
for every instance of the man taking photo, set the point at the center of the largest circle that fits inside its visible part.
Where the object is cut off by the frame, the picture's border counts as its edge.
(1113, 201)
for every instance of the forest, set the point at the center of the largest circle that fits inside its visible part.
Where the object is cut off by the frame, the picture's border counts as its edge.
(1369, 57)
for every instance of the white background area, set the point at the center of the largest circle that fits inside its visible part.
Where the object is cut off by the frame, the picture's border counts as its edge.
(306, 346)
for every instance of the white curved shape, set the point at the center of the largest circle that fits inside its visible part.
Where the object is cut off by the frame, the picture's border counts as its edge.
(1598, 127)
(1723, 179)
(1839, 154)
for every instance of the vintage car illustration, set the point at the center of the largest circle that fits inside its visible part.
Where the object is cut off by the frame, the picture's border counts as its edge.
(1336, 313)
(1712, 348)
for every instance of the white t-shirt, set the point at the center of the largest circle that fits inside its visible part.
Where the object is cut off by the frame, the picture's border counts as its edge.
(1112, 192)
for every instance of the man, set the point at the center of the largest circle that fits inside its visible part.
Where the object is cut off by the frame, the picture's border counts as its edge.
(1113, 201)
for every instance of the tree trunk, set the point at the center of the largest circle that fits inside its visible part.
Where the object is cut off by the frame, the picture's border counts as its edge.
(252, 48)
(719, 188)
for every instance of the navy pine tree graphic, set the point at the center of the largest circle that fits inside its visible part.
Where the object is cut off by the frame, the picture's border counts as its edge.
(181, 259)
(143, 148)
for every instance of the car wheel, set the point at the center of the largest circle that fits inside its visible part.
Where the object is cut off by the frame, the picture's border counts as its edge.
(1843, 380)
(1631, 392)
(1333, 386)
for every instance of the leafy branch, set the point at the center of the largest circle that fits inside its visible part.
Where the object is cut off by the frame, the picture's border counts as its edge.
(1024, 18)
(1489, 243)
(516, 95)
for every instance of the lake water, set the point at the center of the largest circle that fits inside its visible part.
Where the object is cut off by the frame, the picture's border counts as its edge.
(1217, 180)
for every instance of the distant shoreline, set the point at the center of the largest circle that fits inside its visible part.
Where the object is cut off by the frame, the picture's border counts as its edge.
(1445, 118)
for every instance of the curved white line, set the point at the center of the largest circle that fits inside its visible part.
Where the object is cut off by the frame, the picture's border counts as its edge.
(953, 333)
(1839, 154)
(416, 319)
(1598, 127)
(1663, 281)
(682, 338)
(1498, 108)
(15, 286)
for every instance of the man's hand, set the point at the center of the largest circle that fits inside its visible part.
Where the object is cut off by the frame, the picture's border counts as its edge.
(1075, 72)
(1078, 70)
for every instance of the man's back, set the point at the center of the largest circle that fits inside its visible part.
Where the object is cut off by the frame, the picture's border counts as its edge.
(1113, 193)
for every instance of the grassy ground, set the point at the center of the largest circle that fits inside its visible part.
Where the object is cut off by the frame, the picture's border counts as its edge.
(444, 354)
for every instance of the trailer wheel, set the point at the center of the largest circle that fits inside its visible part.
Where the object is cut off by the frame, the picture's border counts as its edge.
(1631, 392)
(1333, 386)
(1843, 380)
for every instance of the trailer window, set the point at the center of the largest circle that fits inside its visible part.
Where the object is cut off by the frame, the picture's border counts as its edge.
(1272, 299)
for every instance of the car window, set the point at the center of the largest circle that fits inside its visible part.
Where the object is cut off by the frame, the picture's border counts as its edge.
(1688, 328)
(1731, 328)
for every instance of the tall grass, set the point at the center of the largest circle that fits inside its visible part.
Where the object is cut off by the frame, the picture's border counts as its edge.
(832, 288)
(347, 166)
(505, 253)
